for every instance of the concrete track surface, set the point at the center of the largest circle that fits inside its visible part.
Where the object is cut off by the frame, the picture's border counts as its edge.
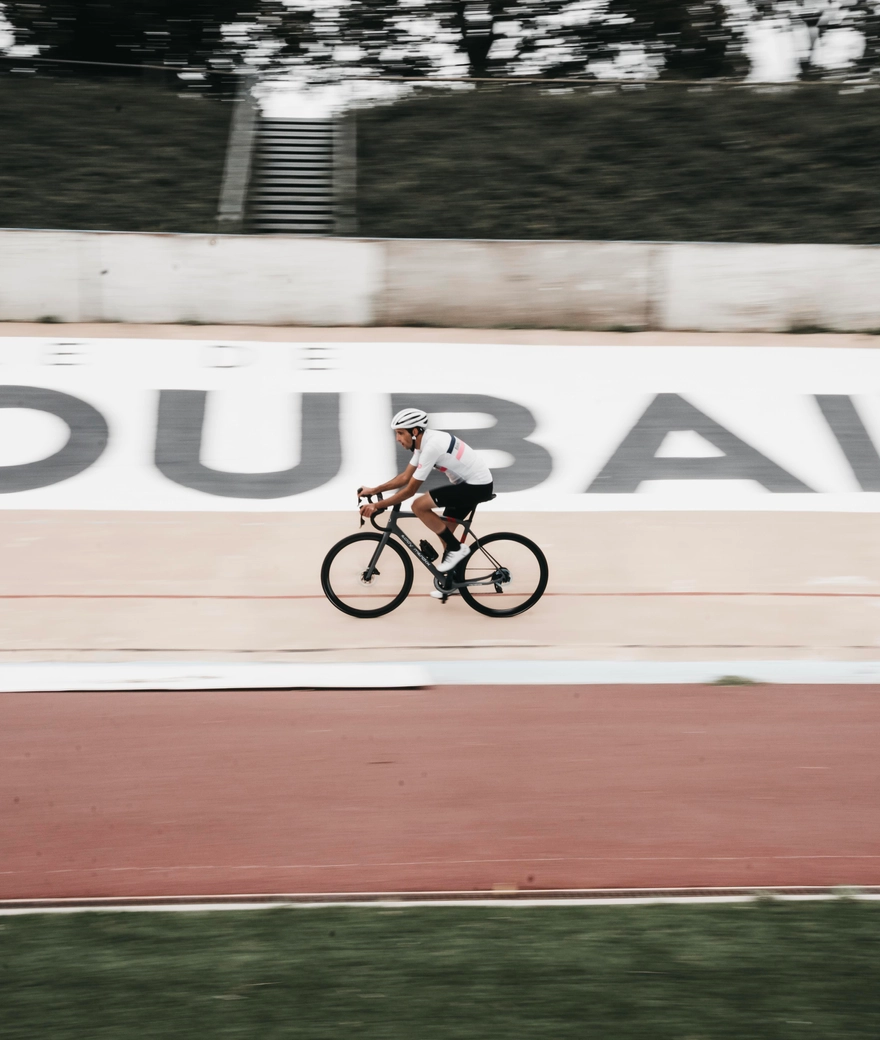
(638, 585)
(469, 788)
(651, 586)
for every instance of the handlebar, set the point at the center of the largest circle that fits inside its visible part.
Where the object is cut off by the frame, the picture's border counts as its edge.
(369, 498)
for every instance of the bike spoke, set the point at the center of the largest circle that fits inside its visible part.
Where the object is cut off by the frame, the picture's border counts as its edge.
(506, 580)
(359, 583)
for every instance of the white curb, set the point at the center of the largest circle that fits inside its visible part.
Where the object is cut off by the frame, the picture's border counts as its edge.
(52, 676)
(135, 675)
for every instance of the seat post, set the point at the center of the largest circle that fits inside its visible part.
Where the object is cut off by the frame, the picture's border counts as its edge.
(467, 522)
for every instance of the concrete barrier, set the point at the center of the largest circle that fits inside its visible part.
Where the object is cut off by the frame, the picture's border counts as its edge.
(273, 280)
(234, 279)
(472, 284)
(753, 288)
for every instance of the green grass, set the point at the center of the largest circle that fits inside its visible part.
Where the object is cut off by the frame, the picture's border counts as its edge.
(760, 970)
(660, 164)
(732, 165)
(119, 156)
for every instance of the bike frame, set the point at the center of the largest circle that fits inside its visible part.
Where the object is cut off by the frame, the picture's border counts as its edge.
(443, 580)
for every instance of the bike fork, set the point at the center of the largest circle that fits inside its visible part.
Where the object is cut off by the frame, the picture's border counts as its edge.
(371, 568)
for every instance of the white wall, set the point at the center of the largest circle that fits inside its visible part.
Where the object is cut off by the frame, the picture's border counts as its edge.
(754, 288)
(275, 280)
(474, 284)
(259, 280)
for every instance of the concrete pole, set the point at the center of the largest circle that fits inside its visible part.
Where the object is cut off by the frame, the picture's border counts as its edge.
(239, 153)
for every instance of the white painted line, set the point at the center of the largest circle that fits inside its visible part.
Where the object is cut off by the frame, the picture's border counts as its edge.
(137, 675)
(411, 904)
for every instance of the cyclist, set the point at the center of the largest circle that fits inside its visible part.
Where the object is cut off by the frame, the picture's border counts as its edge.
(470, 477)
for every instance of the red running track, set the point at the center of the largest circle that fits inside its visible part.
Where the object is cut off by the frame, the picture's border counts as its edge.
(451, 788)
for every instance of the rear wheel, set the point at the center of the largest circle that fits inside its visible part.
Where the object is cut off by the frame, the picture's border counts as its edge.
(511, 572)
(346, 583)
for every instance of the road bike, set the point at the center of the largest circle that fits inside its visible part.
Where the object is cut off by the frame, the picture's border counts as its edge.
(368, 575)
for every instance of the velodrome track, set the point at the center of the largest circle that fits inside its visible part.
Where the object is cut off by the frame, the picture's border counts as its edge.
(439, 789)
(442, 788)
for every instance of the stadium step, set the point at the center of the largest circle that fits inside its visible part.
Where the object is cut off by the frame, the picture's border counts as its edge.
(292, 185)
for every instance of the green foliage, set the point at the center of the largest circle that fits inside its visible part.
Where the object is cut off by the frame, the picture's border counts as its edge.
(761, 970)
(678, 38)
(664, 163)
(213, 35)
(541, 37)
(687, 40)
(125, 156)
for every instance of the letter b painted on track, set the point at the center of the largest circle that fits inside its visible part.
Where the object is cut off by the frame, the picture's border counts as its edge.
(532, 463)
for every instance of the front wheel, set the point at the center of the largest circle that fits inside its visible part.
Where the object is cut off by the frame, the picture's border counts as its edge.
(349, 585)
(510, 572)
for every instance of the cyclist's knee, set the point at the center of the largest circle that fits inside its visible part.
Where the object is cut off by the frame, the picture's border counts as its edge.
(423, 504)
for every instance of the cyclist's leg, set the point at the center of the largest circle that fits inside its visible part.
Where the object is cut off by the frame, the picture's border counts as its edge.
(453, 500)
(424, 507)
(458, 501)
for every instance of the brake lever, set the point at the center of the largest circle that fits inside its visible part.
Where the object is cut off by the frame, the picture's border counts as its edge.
(369, 498)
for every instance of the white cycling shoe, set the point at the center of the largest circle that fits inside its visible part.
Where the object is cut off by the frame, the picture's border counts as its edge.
(452, 558)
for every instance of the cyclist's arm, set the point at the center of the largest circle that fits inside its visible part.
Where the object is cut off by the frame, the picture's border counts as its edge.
(401, 480)
(412, 484)
(410, 488)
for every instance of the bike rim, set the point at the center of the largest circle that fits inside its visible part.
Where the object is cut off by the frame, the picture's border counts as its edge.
(511, 576)
(345, 576)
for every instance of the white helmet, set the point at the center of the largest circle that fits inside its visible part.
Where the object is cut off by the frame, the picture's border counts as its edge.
(407, 418)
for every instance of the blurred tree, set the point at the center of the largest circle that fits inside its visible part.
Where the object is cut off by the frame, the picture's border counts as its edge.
(831, 35)
(682, 40)
(413, 37)
(212, 35)
(544, 37)
(678, 39)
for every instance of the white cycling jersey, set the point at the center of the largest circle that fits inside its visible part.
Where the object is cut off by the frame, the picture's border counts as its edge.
(449, 454)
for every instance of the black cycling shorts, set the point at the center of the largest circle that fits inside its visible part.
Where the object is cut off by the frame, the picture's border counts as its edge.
(459, 499)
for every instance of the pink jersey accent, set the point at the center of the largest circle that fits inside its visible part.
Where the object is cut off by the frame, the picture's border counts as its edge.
(461, 464)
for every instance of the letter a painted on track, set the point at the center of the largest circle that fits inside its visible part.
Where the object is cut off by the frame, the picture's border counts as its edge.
(635, 460)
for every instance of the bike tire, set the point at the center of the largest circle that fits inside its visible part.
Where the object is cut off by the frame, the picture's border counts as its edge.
(342, 600)
(482, 603)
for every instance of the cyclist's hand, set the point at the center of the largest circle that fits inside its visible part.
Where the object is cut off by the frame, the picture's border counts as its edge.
(368, 510)
(365, 492)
